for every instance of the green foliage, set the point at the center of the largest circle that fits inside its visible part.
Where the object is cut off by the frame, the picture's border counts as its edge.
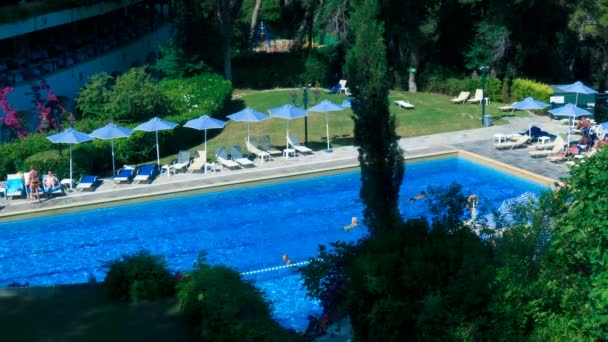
(174, 63)
(14, 154)
(135, 97)
(93, 98)
(195, 96)
(489, 46)
(52, 160)
(380, 157)
(137, 277)
(522, 88)
(224, 307)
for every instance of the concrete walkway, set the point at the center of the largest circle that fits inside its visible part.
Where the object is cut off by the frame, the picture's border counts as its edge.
(479, 141)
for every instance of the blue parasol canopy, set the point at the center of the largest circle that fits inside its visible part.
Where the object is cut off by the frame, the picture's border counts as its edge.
(326, 106)
(154, 125)
(288, 112)
(570, 110)
(529, 103)
(577, 87)
(204, 123)
(111, 131)
(69, 136)
(248, 115)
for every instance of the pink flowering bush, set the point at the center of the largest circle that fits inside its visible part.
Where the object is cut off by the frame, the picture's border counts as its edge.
(10, 118)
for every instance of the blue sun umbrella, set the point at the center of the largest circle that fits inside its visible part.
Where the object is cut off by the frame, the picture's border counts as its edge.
(288, 112)
(571, 111)
(154, 125)
(248, 115)
(69, 136)
(111, 131)
(204, 123)
(528, 104)
(326, 106)
(577, 87)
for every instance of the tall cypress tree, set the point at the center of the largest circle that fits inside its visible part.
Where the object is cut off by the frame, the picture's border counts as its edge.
(380, 157)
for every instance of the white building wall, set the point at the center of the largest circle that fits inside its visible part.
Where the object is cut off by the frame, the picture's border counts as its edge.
(67, 82)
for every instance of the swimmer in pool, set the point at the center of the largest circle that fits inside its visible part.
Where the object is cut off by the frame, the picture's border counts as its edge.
(353, 223)
(286, 259)
(420, 196)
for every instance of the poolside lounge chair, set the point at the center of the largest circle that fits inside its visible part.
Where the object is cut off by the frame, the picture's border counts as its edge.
(87, 183)
(198, 162)
(404, 104)
(265, 145)
(520, 142)
(57, 189)
(15, 186)
(125, 174)
(237, 156)
(263, 155)
(293, 141)
(548, 145)
(183, 160)
(558, 145)
(507, 108)
(343, 88)
(478, 97)
(461, 98)
(222, 158)
(145, 173)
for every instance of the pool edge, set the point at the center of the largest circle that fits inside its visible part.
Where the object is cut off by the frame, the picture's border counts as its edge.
(256, 181)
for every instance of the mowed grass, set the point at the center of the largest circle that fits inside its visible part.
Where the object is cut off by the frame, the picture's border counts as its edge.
(434, 113)
(84, 313)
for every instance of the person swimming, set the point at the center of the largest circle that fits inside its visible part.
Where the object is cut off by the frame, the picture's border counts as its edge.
(353, 223)
(286, 259)
(421, 195)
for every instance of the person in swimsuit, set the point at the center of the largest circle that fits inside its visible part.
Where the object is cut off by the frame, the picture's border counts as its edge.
(34, 184)
(420, 196)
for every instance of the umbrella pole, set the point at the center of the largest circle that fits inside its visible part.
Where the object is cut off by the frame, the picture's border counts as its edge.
(157, 151)
(71, 179)
(287, 136)
(327, 132)
(113, 164)
(576, 100)
(205, 165)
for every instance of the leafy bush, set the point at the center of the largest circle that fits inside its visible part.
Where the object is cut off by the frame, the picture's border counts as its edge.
(52, 160)
(15, 153)
(453, 86)
(224, 307)
(191, 97)
(522, 88)
(141, 276)
(94, 97)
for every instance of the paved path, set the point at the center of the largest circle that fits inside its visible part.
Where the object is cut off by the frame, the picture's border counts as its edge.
(479, 141)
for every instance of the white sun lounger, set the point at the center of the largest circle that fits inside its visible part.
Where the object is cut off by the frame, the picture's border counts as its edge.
(263, 155)
(293, 141)
(404, 104)
(222, 158)
(237, 156)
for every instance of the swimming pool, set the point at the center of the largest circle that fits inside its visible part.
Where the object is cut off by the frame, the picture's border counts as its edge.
(247, 229)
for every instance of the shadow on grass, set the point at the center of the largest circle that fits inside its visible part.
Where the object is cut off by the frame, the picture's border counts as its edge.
(85, 313)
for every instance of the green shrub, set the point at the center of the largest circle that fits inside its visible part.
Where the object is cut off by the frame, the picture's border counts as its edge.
(141, 276)
(15, 153)
(224, 307)
(51, 160)
(191, 97)
(522, 88)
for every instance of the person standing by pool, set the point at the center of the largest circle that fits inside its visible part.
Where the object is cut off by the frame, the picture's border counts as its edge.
(34, 184)
(50, 182)
(472, 203)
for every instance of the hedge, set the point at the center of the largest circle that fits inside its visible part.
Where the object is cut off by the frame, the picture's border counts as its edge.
(522, 88)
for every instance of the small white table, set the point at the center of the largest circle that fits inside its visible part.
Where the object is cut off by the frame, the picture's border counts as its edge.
(168, 169)
(499, 138)
(289, 153)
(543, 140)
(67, 183)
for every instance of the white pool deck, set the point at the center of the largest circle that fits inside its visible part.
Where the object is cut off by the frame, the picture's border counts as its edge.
(478, 141)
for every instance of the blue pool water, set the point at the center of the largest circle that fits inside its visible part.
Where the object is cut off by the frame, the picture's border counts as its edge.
(247, 229)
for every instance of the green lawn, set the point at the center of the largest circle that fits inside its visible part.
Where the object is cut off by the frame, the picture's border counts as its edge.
(84, 313)
(434, 113)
